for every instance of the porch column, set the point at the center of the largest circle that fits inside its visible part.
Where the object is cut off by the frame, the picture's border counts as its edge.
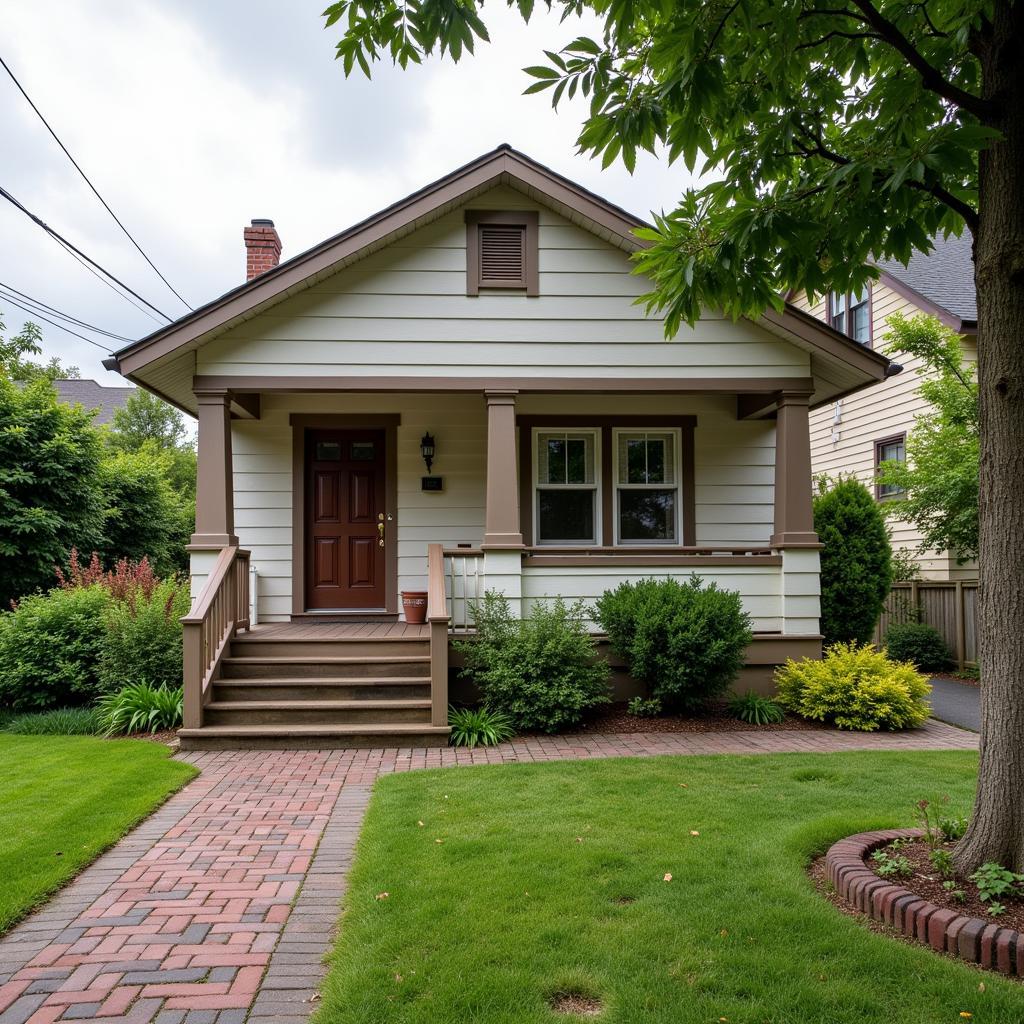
(215, 498)
(794, 518)
(501, 526)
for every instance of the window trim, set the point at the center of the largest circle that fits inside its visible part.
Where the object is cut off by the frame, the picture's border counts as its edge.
(525, 219)
(596, 487)
(847, 309)
(900, 438)
(677, 467)
(606, 538)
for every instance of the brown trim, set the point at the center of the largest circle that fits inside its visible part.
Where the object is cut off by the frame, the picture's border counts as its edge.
(891, 439)
(502, 526)
(606, 424)
(527, 220)
(299, 423)
(794, 517)
(245, 406)
(626, 558)
(523, 385)
(816, 333)
(215, 485)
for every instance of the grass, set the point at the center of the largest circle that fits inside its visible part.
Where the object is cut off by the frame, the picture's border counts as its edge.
(549, 878)
(63, 800)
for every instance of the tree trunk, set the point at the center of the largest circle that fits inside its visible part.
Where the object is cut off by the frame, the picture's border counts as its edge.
(996, 832)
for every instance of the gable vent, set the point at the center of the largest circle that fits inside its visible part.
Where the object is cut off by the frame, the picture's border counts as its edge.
(503, 255)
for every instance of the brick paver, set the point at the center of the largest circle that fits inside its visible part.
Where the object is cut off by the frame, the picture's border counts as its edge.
(221, 905)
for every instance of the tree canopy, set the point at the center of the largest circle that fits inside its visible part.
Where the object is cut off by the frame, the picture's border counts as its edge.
(15, 357)
(939, 478)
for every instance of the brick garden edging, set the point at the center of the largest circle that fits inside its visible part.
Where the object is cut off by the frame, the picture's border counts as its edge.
(971, 938)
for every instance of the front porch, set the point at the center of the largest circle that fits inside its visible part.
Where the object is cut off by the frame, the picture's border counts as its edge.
(313, 516)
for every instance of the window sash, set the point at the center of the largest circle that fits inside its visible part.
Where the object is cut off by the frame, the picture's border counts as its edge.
(542, 482)
(671, 440)
(890, 451)
(850, 314)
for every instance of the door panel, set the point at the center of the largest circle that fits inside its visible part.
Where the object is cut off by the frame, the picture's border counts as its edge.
(345, 549)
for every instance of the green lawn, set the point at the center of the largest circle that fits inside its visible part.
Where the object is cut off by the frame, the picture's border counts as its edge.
(511, 906)
(63, 800)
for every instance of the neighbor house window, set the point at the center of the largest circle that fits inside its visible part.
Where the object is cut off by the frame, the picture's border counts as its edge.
(646, 487)
(566, 486)
(851, 314)
(892, 449)
(501, 251)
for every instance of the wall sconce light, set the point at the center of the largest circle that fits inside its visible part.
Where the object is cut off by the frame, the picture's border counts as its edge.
(427, 450)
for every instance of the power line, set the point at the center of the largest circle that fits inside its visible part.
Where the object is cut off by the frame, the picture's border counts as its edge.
(53, 323)
(68, 245)
(85, 178)
(45, 308)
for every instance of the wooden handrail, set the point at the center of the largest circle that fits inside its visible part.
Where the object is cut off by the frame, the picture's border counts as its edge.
(221, 609)
(437, 617)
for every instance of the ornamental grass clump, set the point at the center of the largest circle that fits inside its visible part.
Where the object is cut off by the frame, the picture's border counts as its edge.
(483, 727)
(855, 687)
(141, 707)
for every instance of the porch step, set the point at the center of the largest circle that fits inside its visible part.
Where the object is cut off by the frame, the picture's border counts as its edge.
(349, 667)
(317, 712)
(322, 688)
(312, 737)
(246, 646)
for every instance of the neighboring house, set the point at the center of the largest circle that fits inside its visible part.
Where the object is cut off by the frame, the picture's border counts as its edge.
(855, 434)
(92, 396)
(458, 394)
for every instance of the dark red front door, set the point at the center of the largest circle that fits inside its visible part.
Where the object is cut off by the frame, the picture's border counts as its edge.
(345, 519)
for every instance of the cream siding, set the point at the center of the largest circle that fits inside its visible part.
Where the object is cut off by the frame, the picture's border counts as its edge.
(403, 311)
(733, 479)
(878, 412)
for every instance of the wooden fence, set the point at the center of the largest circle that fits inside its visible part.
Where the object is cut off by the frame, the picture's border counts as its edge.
(952, 608)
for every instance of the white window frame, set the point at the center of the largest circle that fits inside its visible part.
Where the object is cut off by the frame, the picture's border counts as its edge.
(678, 485)
(595, 487)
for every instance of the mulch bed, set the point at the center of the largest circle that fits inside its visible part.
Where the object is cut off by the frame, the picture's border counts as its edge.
(716, 719)
(926, 882)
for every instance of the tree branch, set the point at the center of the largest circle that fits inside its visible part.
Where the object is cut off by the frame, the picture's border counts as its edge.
(931, 77)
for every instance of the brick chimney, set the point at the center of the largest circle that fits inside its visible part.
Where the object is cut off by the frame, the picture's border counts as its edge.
(262, 248)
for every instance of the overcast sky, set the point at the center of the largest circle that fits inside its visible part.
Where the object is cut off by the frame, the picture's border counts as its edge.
(192, 117)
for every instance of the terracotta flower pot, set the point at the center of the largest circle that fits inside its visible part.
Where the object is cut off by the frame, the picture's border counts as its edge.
(414, 604)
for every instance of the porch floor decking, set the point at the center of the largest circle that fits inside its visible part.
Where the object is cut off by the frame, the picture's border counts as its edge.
(306, 629)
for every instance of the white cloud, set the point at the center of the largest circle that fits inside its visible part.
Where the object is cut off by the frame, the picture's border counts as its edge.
(192, 118)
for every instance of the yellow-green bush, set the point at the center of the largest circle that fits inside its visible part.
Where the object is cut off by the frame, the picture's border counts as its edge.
(855, 687)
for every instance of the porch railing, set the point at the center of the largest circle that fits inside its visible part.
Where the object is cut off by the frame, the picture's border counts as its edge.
(464, 584)
(220, 611)
(438, 618)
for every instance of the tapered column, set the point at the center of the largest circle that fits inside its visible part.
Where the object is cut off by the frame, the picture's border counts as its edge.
(794, 517)
(502, 529)
(215, 499)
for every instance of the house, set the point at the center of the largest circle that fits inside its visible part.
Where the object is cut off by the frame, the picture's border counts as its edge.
(460, 393)
(855, 434)
(92, 396)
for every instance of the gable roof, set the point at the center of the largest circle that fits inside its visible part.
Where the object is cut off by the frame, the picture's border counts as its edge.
(850, 365)
(943, 278)
(92, 395)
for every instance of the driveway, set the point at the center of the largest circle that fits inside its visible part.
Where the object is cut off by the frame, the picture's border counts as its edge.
(956, 703)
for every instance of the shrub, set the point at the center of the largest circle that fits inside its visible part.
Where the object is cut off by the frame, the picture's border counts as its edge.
(141, 707)
(757, 710)
(143, 638)
(59, 722)
(686, 641)
(49, 495)
(50, 649)
(856, 561)
(854, 688)
(542, 672)
(919, 644)
(472, 726)
(641, 707)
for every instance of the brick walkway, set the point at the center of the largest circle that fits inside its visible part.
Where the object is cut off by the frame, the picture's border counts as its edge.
(220, 907)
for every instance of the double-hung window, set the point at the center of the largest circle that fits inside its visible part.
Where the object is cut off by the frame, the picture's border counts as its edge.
(892, 449)
(851, 314)
(567, 482)
(647, 504)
